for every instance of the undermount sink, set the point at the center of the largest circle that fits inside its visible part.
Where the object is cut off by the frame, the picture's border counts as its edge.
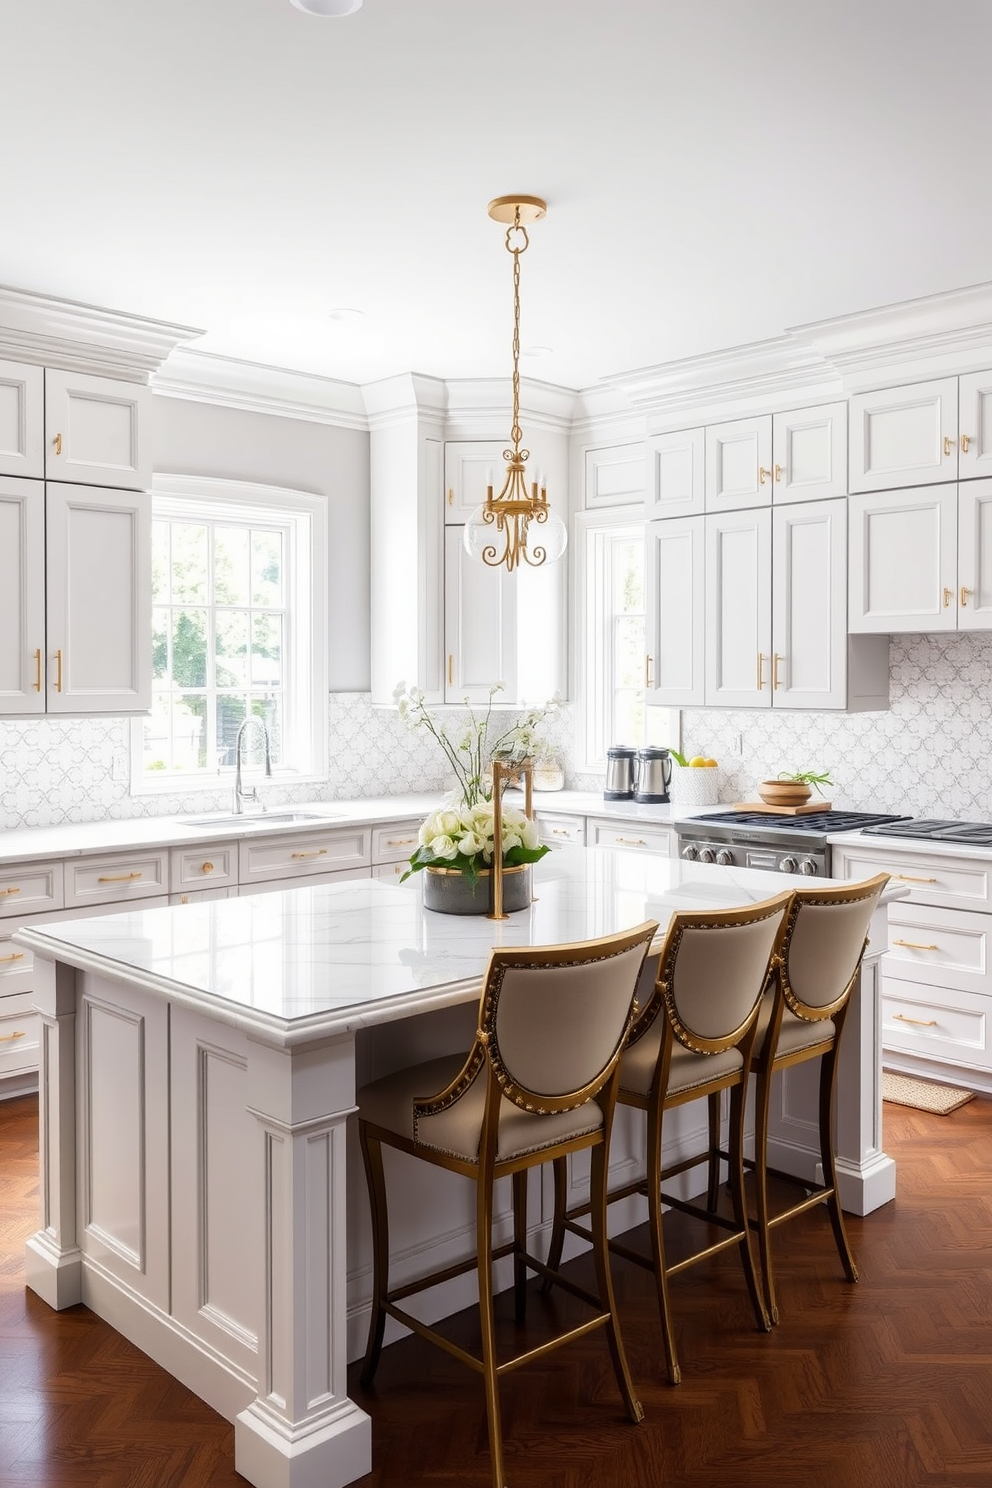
(250, 823)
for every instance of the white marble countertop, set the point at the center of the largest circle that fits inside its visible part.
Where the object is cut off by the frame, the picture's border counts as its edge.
(307, 962)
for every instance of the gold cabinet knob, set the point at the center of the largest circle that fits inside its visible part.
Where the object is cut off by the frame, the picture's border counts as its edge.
(763, 475)
(208, 867)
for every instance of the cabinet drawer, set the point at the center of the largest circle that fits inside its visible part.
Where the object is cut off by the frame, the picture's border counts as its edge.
(940, 947)
(390, 872)
(309, 880)
(937, 1023)
(30, 887)
(20, 1035)
(203, 867)
(16, 962)
(557, 830)
(621, 834)
(947, 883)
(116, 879)
(395, 842)
(308, 853)
(193, 896)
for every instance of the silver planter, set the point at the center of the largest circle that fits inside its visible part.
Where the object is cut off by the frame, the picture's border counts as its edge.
(449, 891)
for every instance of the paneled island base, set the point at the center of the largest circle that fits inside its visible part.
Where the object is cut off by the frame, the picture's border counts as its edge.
(199, 1068)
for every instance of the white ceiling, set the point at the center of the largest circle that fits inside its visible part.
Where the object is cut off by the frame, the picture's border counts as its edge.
(716, 171)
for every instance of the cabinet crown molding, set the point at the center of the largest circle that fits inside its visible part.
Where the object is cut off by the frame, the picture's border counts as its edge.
(52, 332)
(253, 387)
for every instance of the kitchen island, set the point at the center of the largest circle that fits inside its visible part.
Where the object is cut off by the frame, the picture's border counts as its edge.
(199, 1068)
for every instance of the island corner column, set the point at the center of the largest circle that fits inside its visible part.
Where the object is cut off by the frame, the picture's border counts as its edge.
(302, 1429)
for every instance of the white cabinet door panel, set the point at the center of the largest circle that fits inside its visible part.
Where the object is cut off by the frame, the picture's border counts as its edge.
(809, 450)
(97, 431)
(99, 600)
(22, 596)
(975, 555)
(904, 436)
(975, 420)
(469, 467)
(809, 622)
(22, 413)
(479, 625)
(614, 476)
(674, 598)
(738, 609)
(675, 466)
(903, 561)
(739, 464)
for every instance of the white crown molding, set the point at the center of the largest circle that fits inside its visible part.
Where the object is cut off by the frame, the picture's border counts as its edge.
(408, 395)
(603, 416)
(84, 338)
(483, 401)
(950, 332)
(754, 376)
(253, 387)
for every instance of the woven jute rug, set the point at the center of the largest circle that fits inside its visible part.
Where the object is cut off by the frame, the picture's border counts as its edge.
(903, 1090)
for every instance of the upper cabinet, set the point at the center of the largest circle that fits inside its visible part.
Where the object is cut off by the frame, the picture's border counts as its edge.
(926, 433)
(614, 476)
(97, 431)
(739, 464)
(675, 474)
(470, 467)
(809, 453)
(675, 619)
(22, 420)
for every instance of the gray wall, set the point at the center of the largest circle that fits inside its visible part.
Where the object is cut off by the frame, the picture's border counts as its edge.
(226, 443)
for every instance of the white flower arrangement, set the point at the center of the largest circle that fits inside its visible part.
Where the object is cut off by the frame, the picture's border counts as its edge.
(459, 834)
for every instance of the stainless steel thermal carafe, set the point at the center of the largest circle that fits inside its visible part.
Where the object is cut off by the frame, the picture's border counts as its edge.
(619, 773)
(654, 776)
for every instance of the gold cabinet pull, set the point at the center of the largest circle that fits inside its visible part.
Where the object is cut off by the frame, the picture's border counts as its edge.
(58, 671)
(559, 831)
(118, 877)
(8, 1038)
(948, 444)
(15, 890)
(775, 661)
(919, 1022)
(451, 496)
(451, 670)
(948, 595)
(631, 841)
(763, 474)
(399, 841)
(647, 672)
(208, 868)
(57, 441)
(320, 853)
(908, 878)
(17, 956)
(914, 945)
(778, 472)
(761, 662)
(37, 671)
(964, 596)
(965, 443)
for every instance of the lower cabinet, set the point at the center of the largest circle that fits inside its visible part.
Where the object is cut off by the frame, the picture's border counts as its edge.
(609, 832)
(936, 976)
(560, 830)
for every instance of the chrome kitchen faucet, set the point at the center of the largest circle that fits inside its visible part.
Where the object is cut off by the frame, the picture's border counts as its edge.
(240, 795)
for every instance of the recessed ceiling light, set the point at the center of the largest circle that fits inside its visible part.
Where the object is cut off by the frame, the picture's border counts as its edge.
(535, 351)
(328, 7)
(346, 316)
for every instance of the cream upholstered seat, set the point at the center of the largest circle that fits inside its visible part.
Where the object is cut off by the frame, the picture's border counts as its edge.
(802, 1017)
(539, 1082)
(692, 1038)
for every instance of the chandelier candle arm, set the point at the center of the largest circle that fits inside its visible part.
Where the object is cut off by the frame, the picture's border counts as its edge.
(500, 530)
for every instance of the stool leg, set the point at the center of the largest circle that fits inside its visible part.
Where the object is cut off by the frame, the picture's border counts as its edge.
(519, 1246)
(654, 1145)
(713, 1189)
(604, 1279)
(762, 1104)
(737, 1095)
(557, 1242)
(828, 1087)
(484, 1249)
(372, 1158)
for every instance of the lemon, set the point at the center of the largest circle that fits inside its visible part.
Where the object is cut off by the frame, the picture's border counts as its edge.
(710, 764)
(697, 760)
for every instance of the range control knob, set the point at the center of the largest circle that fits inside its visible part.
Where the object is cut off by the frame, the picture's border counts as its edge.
(691, 852)
(707, 854)
(788, 865)
(808, 866)
(726, 857)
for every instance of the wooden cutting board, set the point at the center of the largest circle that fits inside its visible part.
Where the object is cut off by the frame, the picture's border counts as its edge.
(803, 810)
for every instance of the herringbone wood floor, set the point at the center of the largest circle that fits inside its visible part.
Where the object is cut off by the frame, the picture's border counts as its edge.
(887, 1384)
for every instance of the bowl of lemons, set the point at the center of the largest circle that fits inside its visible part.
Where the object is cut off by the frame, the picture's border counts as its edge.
(695, 780)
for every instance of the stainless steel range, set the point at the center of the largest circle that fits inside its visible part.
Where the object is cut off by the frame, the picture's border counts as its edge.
(784, 844)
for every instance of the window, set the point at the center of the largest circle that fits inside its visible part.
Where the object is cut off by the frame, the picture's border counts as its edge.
(238, 627)
(614, 707)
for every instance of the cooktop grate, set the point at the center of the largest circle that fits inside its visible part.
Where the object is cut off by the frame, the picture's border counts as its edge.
(979, 834)
(810, 821)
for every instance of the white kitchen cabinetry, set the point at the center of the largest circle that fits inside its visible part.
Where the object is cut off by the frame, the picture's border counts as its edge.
(674, 589)
(203, 866)
(675, 485)
(614, 476)
(809, 453)
(470, 466)
(936, 979)
(922, 434)
(392, 847)
(776, 633)
(75, 599)
(975, 425)
(608, 832)
(289, 856)
(22, 420)
(560, 829)
(97, 430)
(921, 559)
(739, 464)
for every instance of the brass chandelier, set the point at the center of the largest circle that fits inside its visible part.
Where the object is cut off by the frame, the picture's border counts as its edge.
(518, 524)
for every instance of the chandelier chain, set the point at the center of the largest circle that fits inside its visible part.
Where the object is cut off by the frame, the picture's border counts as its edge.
(516, 233)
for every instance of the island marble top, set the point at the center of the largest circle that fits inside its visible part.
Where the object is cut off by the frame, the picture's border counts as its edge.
(306, 962)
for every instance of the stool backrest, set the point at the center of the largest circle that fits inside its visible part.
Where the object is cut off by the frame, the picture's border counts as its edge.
(554, 1019)
(822, 944)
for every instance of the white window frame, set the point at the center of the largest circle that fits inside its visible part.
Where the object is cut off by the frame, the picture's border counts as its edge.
(304, 517)
(594, 688)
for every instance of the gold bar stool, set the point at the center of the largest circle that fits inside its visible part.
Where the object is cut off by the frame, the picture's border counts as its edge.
(802, 1017)
(539, 1082)
(692, 1038)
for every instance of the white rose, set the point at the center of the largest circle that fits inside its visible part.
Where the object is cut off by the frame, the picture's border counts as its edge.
(444, 847)
(530, 836)
(448, 823)
(469, 845)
